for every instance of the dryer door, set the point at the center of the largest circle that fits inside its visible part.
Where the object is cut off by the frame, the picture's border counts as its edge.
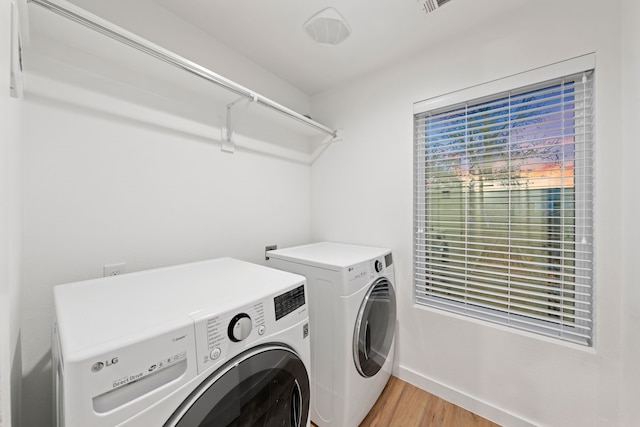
(375, 326)
(266, 386)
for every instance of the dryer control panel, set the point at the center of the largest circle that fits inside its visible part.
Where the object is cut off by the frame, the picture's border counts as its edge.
(358, 275)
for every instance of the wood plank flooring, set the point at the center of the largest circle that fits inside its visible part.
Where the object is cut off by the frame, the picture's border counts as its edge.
(403, 405)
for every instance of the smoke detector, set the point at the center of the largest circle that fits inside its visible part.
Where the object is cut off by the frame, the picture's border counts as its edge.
(327, 27)
(428, 6)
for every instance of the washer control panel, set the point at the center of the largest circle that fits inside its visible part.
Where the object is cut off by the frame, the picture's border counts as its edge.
(289, 302)
(220, 336)
(215, 334)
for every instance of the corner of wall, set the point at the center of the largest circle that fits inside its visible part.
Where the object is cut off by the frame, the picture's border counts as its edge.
(464, 400)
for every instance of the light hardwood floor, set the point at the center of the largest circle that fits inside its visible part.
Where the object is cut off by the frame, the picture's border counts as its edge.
(403, 405)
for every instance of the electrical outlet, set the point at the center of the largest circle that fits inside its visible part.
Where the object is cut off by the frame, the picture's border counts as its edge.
(113, 269)
(267, 249)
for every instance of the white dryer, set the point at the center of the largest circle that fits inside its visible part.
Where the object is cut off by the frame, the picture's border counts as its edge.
(215, 343)
(352, 313)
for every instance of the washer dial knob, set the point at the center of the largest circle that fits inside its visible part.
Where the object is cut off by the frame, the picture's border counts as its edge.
(240, 327)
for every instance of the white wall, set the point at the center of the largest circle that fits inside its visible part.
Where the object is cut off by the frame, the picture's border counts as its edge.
(631, 206)
(512, 377)
(10, 110)
(114, 174)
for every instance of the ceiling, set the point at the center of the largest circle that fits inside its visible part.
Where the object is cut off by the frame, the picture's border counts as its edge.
(270, 33)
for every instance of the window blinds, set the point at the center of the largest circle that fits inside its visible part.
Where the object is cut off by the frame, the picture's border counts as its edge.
(503, 208)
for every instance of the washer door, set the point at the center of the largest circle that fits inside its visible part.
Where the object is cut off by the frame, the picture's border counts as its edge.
(265, 386)
(375, 326)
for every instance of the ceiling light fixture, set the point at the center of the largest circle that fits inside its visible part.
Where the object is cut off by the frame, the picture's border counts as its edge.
(327, 27)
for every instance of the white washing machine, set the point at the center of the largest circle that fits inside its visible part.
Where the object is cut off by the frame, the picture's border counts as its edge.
(214, 343)
(352, 313)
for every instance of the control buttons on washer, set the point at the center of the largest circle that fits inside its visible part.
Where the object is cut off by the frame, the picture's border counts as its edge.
(239, 327)
(261, 330)
(215, 353)
(378, 266)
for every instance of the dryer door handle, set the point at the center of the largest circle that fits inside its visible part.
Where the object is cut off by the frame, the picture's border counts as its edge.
(367, 340)
(296, 406)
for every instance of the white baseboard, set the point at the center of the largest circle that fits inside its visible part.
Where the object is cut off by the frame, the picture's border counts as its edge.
(464, 400)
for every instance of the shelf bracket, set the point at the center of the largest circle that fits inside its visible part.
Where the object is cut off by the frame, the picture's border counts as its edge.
(240, 105)
(18, 29)
(328, 140)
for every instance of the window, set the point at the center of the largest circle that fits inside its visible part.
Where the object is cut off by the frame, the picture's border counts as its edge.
(503, 212)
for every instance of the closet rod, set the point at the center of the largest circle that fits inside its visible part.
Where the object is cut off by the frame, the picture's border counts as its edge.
(85, 18)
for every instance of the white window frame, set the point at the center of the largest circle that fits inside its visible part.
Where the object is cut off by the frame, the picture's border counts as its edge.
(558, 70)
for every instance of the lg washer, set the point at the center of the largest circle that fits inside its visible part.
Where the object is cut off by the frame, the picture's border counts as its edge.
(352, 314)
(216, 343)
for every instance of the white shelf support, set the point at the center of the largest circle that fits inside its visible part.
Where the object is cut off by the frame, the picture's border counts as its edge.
(18, 30)
(240, 105)
(328, 140)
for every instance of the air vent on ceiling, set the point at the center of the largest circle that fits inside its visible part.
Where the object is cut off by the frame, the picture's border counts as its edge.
(427, 6)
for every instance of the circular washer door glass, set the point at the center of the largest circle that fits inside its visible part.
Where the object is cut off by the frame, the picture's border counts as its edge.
(266, 386)
(375, 326)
